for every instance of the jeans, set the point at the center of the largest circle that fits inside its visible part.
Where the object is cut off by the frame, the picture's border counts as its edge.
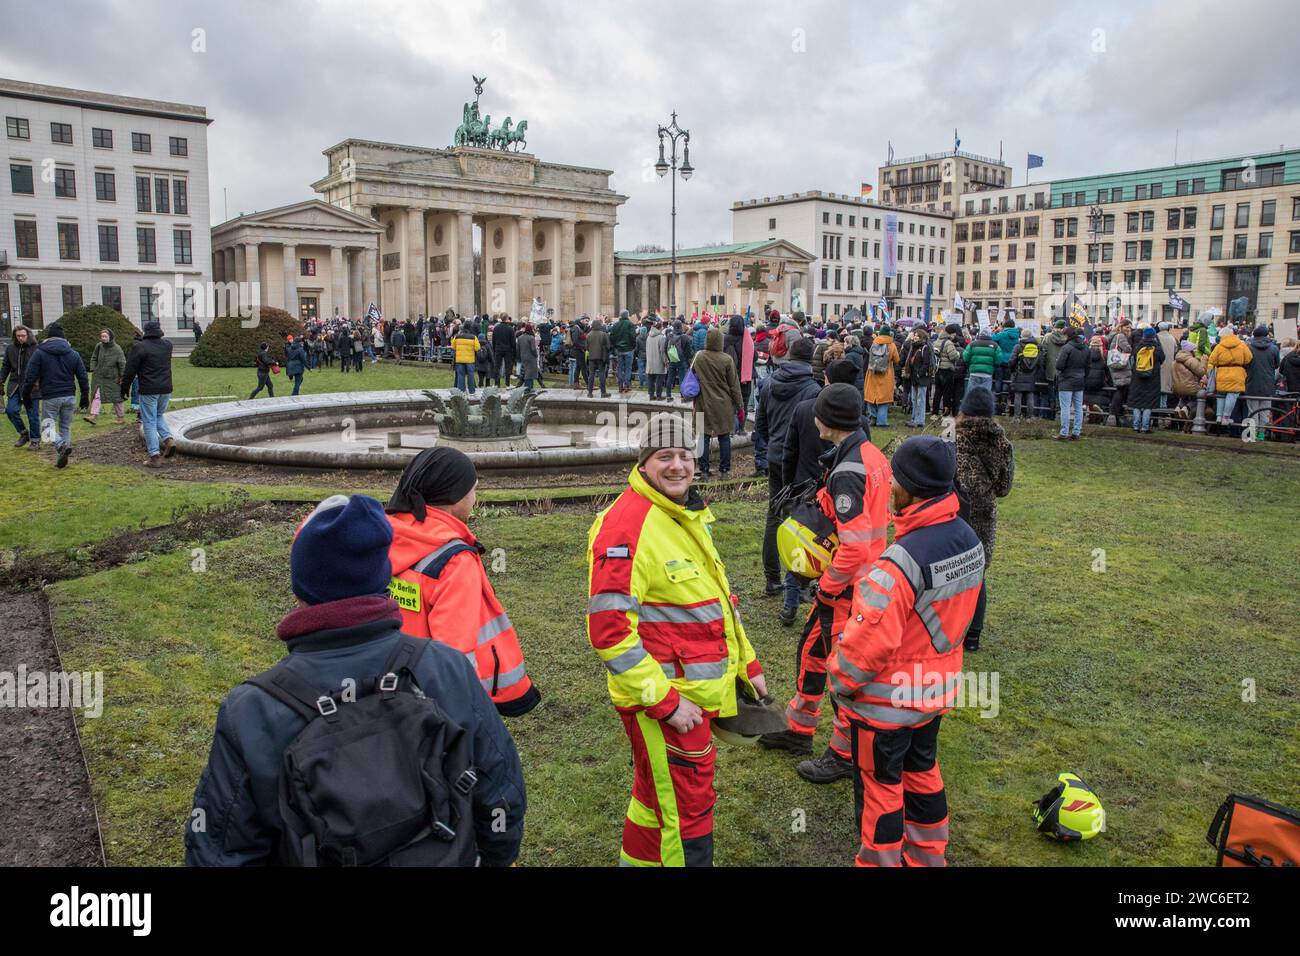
(597, 369)
(297, 382)
(640, 370)
(1260, 410)
(772, 569)
(724, 453)
(657, 385)
(793, 590)
(14, 407)
(1071, 404)
(879, 414)
(56, 420)
(263, 382)
(465, 377)
(152, 420)
(918, 403)
(978, 380)
(1141, 419)
(573, 372)
(1022, 404)
(626, 360)
(1225, 403)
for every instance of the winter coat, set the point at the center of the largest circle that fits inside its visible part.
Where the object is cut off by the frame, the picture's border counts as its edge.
(818, 362)
(719, 399)
(1072, 366)
(858, 356)
(947, 353)
(503, 338)
(1144, 392)
(699, 336)
(1007, 340)
(983, 356)
(792, 335)
(1094, 380)
(57, 369)
(1261, 376)
(986, 467)
(1186, 374)
(15, 363)
(878, 387)
(1026, 372)
(656, 353)
(526, 350)
(107, 363)
(1290, 370)
(465, 344)
(1169, 345)
(295, 359)
(785, 388)
(622, 335)
(239, 789)
(1052, 344)
(919, 364)
(483, 360)
(1229, 360)
(598, 344)
(804, 446)
(1121, 376)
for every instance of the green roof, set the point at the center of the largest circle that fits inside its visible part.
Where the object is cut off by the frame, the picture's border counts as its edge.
(727, 250)
(1209, 173)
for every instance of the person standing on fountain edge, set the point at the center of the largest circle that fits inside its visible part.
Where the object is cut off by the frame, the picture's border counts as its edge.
(898, 667)
(439, 579)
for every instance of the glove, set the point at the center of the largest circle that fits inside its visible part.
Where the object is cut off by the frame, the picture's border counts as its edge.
(85, 402)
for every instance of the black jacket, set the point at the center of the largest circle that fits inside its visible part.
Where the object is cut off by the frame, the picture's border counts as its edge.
(789, 385)
(150, 360)
(1144, 389)
(15, 364)
(804, 445)
(57, 369)
(1072, 366)
(503, 338)
(1290, 370)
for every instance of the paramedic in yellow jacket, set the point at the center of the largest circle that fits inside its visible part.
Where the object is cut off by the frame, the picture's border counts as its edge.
(664, 622)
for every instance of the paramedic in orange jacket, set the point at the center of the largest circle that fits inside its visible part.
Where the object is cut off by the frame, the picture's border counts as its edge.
(439, 579)
(855, 494)
(897, 669)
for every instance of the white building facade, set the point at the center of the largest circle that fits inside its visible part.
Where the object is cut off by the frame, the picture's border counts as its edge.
(848, 236)
(106, 201)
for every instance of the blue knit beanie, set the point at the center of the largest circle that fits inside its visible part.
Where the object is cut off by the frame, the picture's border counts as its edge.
(341, 550)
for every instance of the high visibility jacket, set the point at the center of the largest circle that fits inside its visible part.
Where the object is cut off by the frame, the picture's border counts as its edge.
(899, 661)
(661, 614)
(856, 496)
(466, 347)
(444, 592)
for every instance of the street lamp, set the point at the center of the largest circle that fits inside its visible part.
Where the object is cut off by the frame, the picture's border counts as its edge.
(673, 133)
(1096, 215)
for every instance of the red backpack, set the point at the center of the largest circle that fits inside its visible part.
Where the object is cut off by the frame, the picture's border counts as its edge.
(779, 346)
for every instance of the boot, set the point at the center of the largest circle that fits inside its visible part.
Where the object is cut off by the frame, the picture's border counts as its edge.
(88, 418)
(787, 615)
(23, 439)
(972, 642)
(772, 588)
(169, 446)
(827, 768)
(797, 744)
(62, 461)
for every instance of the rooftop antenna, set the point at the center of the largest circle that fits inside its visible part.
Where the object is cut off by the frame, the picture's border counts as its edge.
(1176, 147)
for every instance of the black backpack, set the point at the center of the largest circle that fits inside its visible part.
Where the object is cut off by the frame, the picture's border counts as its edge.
(383, 780)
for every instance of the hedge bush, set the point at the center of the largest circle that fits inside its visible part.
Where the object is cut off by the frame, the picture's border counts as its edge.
(227, 344)
(81, 327)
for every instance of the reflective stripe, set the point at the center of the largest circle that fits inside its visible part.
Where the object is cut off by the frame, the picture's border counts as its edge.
(850, 668)
(882, 578)
(641, 815)
(675, 614)
(670, 671)
(868, 534)
(939, 638)
(913, 694)
(922, 834)
(426, 561)
(627, 660)
(848, 467)
(945, 591)
(837, 685)
(874, 599)
(899, 555)
(510, 677)
(706, 671)
(612, 601)
(838, 576)
(892, 857)
(920, 857)
(799, 717)
(903, 716)
(498, 625)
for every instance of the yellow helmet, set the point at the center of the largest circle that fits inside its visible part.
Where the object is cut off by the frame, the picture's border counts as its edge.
(807, 541)
(1070, 811)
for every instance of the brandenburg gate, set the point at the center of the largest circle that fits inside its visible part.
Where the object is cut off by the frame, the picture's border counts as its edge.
(547, 229)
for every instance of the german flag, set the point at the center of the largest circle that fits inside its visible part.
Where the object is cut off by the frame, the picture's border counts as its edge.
(866, 189)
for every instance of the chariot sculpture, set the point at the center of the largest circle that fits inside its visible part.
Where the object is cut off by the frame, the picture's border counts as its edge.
(476, 130)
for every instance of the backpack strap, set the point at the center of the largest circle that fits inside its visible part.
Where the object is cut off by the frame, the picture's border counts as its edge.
(295, 693)
(399, 663)
(431, 565)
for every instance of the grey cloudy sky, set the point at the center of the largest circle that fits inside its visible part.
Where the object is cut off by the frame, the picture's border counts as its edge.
(779, 97)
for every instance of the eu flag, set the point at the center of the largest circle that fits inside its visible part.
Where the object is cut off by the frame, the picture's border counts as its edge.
(1033, 162)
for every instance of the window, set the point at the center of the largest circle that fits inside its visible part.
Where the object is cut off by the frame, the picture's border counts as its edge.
(65, 182)
(1013, 228)
(1189, 247)
(61, 133)
(1058, 228)
(111, 296)
(849, 286)
(826, 277)
(961, 281)
(1029, 278)
(1131, 222)
(771, 224)
(160, 198)
(961, 256)
(71, 297)
(1216, 247)
(1171, 248)
(29, 303)
(975, 280)
(1198, 186)
(178, 146)
(1031, 227)
(1170, 278)
(1216, 217)
(107, 243)
(20, 179)
(101, 138)
(1030, 248)
(1293, 273)
(963, 231)
(838, 279)
(1175, 217)
(1295, 207)
(185, 314)
(1243, 215)
(1184, 278)
(1265, 245)
(69, 241)
(105, 186)
(851, 245)
(1145, 252)
(1250, 175)
(1189, 217)
(1148, 220)
(993, 279)
(1239, 247)
(1011, 252)
(1130, 251)
(1295, 243)
(1011, 278)
(1182, 187)
(16, 128)
(180, 197)
(995, 229)
(145, 245)
(993, 253)
(1157, 190)
(1142, 192)
(1080, 199)
(25, 243)
(141, 143)
(182, 252)
(826, 219)
(1071, 255)
(148, 303)
(142, 203)
(1267, 212)
(977, 232)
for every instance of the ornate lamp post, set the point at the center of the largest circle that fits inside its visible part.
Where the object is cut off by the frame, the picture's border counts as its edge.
(1095, 218)
(673, 132)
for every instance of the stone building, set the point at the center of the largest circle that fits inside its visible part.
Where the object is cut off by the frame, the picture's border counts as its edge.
(715, 278)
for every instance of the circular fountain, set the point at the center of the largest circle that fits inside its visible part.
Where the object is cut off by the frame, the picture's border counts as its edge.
(502, 430)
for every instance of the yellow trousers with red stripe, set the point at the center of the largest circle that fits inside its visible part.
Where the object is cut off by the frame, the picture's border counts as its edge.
(898, 794)
(670, 817)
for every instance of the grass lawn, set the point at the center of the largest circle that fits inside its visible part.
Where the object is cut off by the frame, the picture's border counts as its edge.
(1132, 676)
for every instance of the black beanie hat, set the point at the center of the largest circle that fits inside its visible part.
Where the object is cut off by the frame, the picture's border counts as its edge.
(978, 403)
(841, 370)
(436, 476)
(54, 331)
(839, 406)
(925, 466)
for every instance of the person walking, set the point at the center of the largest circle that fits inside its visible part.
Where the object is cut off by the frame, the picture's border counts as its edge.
(344, 643)
(718, 403)
(598, 351)
(18, 353)
(1229, 361)
(663, 620)
(56, 371)
(295, 363)
(878, 390)
(897, 669)
(1072, 363)
(656, 361)
(986, 468)
(149, 365)
(1145, 364)
(265, 364)
(107, 363)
